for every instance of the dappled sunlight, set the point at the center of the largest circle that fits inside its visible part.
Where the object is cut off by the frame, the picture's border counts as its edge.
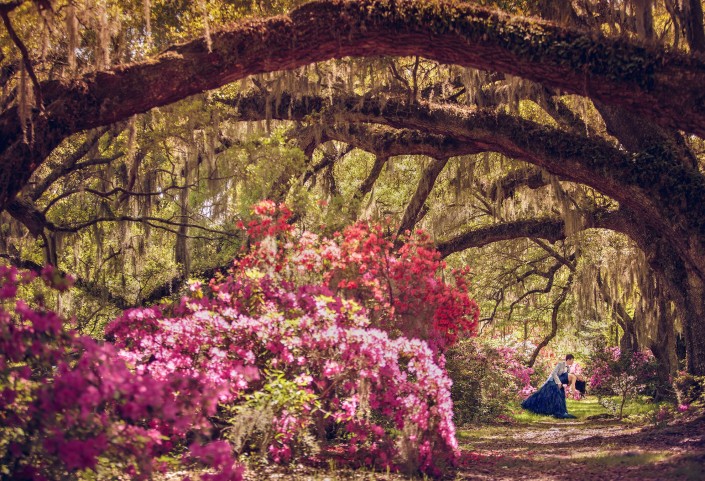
(547, 449)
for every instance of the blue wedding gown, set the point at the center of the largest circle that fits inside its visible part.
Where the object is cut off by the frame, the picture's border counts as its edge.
(550, 399)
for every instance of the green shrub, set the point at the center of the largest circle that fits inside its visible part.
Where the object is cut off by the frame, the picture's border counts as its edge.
(486, 380)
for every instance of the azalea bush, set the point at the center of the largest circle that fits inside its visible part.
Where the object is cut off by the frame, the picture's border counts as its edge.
(323, 370)
(69, 405)
(626, 375)
(487, 380)
(303, 341)
(309, 347)
(403, 288)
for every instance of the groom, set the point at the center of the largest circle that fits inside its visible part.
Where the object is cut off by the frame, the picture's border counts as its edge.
(565, 379)
(561, 373)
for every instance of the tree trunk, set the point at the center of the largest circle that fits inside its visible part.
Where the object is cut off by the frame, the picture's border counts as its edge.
(678, 256)
(663, 347)
(694, 33)
(182, 254)
(628, 341)
(694, 325)
(686, 288)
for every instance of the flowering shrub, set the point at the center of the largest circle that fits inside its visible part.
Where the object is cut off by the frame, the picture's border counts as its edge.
(322, 365)
(601, 361)
(306, 335)
(268, 339)
(486, 380)
(67, 404)
(402, 288)
(607, 365)
(510, 359)
(622, 374)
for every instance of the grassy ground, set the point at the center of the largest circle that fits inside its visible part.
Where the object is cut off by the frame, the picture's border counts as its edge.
(590, 407)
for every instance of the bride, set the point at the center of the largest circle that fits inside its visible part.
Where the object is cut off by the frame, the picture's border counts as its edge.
(550, 399)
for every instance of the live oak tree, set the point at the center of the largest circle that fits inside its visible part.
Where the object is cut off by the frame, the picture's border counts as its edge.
(444, 80)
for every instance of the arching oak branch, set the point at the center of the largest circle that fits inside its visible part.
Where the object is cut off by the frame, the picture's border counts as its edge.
(653, 185)
(551, 229)
(612, 71)
(661, 194)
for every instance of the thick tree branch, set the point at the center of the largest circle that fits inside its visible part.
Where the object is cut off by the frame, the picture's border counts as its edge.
(156, 222)
(26, 212)
(387, 142)
(423, 189)
(369, 182)
(551, 229)
(554, 321)
(561, 113)
(635, 77)
(505, 187)
(70, 164)
(329, 158)
(638, 136)
(117, 190)
(569, 262)
(26, 60)
(642, 182)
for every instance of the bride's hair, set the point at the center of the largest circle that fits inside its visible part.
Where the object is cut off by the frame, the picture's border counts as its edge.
(568, 357)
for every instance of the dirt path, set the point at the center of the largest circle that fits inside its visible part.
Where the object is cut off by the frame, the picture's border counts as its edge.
(584, 450)
(550, 450)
